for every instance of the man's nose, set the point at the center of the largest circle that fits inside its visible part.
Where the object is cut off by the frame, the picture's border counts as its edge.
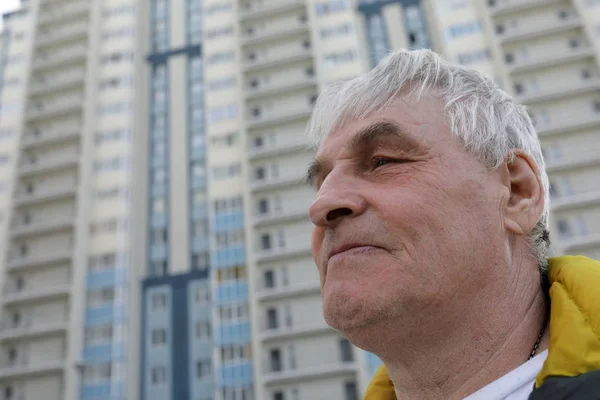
(337, 198)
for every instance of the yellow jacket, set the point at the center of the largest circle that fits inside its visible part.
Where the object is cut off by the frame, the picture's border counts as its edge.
(574, 348)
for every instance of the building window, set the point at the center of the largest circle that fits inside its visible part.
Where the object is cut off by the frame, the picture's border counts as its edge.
(263, 206)
(203, 369)
(346, 350)
(159, 337)
(275, 360)
(564, 228)
(265, 241)
(203, 330)
(158, 375)
(350, 391)
(272, 322)
(159, 302)
(260, 173)
(269, 279)
(278, 395)
(202, 295)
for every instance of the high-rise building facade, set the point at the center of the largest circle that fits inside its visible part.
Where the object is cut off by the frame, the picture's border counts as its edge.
(65, 163)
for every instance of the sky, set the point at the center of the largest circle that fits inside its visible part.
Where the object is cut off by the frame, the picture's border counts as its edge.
(6, 6)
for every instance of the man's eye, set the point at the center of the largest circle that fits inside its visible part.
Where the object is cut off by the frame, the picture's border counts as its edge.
(380, 162)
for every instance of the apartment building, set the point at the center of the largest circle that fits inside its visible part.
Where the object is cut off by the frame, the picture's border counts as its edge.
(65, 179)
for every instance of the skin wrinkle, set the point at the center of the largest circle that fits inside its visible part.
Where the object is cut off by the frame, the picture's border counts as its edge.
(451, 300)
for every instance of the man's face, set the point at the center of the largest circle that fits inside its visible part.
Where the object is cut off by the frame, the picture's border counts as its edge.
(407, 223)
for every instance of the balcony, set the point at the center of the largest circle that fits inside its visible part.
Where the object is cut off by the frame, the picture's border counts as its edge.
(61, 58)
(48, 165)
(309, 373)
(294, 331)
(57, 192)
(552, 92)
(267, 184)
(270, 8)
(275, 34)
(30, 329)
(541, 29)
(588, 120)
(279, 217)
(278, 254)
(43, 226)
(515, 6)
(33, 261)
(574, 245)
(24, 368)
(55, 82)
(277, 89)
(292, 146)
(281, 117)
(566, 165)
(41, 293)
(47, 109)
(561, 56)
(576, 201)
(60, 33)
(279, 60)
(57, 14)
(285, 291)
(45, 137)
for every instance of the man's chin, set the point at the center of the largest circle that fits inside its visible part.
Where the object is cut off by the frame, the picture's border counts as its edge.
(347, 313)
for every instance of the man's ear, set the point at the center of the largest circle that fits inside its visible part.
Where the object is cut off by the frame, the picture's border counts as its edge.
(525, 205)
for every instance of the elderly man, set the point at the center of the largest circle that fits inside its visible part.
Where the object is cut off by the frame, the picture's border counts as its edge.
(431, 233)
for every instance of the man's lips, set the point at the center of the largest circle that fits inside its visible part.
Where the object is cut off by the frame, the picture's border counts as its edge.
(348, 247)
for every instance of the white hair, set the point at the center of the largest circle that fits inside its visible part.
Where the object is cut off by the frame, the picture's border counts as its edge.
(485, 119)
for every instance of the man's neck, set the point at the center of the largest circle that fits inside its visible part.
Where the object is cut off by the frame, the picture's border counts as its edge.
(472, 353)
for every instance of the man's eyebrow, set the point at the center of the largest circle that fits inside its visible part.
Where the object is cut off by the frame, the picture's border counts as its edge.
(314, 169)
(381, 129)
(364, 138)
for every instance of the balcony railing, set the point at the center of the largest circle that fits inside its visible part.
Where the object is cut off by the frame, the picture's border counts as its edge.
(27, 326)
(309, 373)
(278, 254)
(59, 12)
(280, 88)
(36, 260)
(281, 117)
(267, 9)
(62, 190)
(280, 59)
(576, 201)
(279, 217)
(275, 33)
(58, 58)
(561, 56)
(43, 225)
(50, 109)
(267, 184)
(543, 28)
(48, 165)
(57, 81)
(35, 294)
(57, 34)
(43, 137)
(513, 6)
(23, 368)
(284, 291)
(552, 92)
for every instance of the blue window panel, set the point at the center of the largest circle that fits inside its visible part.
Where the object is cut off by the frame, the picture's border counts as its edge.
(373, 363)
(199, 212)
(95, 391)
(235, 375)
(198, 153)
(100, 391)
(228, 221)
(199, 244)
(236, 333)
(159, 220)
(202, 388)
(158, 251)
(198, 182)
(159, 190)
(104, 315)
(107, 278)
(231, 293)
(158, 161)
(103, 352)
(227, 258)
